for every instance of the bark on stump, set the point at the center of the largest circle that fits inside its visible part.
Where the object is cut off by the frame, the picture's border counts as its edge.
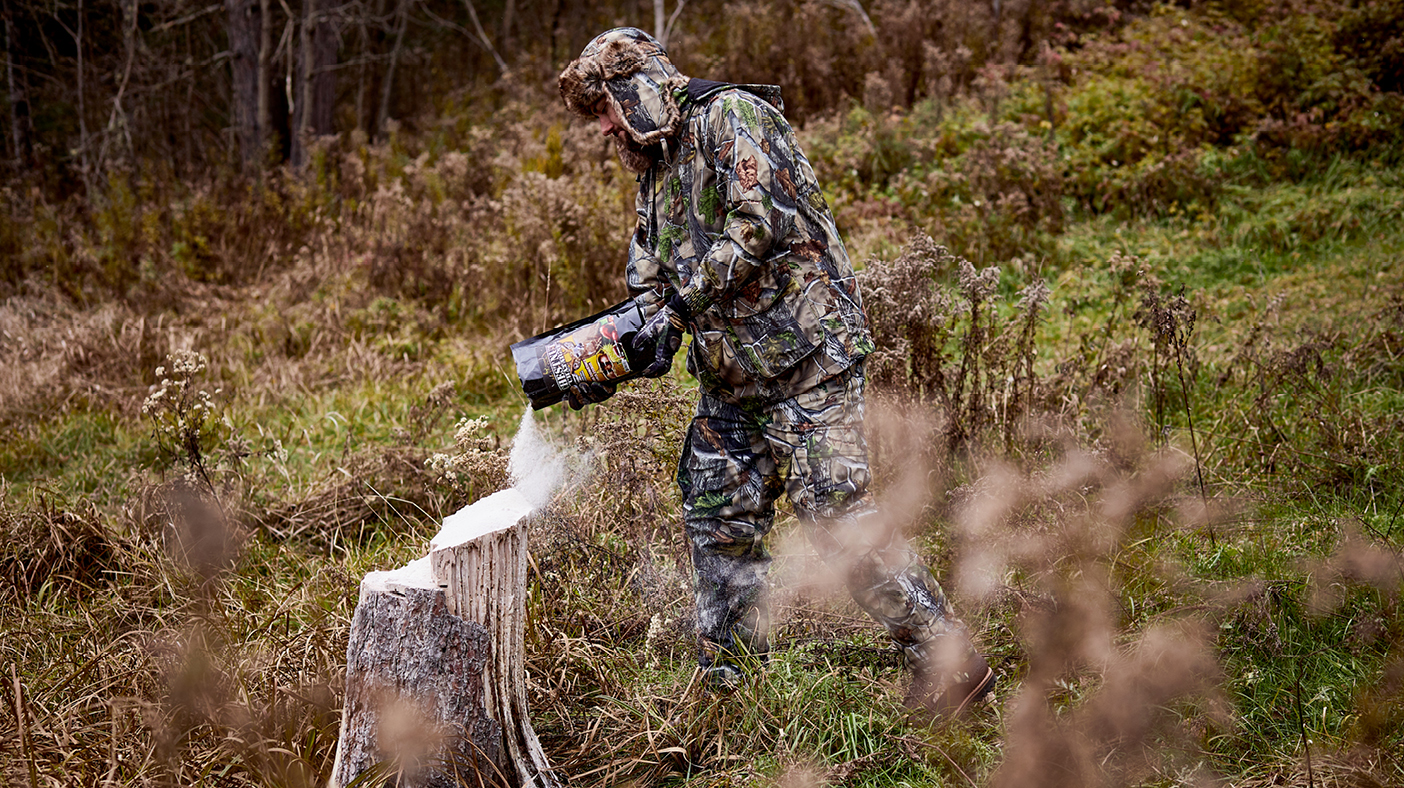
(435, 685)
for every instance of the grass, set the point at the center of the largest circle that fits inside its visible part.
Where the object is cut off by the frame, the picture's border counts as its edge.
(1260, 239)
(233, 679)
(1146, 631)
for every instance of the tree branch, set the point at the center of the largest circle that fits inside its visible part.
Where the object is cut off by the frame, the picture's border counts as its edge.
(482, 37)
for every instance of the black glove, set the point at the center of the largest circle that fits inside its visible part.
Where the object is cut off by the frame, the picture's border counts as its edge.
(665, 332)
(582, 394)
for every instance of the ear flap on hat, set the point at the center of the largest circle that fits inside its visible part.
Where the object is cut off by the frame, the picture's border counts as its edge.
(619, 55)
(582, 85)
(621, 58)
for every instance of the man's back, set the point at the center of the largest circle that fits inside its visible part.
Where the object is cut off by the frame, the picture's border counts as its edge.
(735, 221)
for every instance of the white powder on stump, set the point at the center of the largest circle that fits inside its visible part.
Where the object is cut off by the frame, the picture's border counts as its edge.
(537, 469)
(415, 574)
(502, 509)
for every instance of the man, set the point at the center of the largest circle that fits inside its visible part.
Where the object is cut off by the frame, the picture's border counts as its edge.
(736, 245)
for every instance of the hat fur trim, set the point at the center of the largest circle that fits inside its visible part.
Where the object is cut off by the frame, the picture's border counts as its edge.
(583, 84)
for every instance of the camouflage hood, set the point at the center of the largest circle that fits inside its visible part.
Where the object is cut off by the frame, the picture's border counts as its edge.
(629, 68)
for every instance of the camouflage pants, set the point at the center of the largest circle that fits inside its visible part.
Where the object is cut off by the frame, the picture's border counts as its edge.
(736, 462)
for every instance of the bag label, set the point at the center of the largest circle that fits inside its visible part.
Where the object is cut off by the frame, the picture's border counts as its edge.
(590, 354)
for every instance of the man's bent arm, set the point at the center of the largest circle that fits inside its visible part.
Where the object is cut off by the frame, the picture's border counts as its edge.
(751, 168)
(644, 275)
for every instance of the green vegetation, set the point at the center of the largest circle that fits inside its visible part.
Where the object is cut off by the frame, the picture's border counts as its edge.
(1141, 408)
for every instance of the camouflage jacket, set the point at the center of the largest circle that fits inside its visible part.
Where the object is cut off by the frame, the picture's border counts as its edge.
(731, 219)
(734, 221)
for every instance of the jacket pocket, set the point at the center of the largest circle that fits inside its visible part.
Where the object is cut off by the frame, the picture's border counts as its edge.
(767, 344)
(759, 293)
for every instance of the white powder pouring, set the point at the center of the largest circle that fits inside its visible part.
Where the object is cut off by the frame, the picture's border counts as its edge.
(537, 467)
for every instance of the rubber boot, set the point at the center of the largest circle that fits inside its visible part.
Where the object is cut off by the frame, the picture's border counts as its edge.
(948, 676)
(746, 651)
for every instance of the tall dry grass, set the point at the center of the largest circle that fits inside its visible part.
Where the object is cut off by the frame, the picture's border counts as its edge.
(200, 635)
(1174, 536)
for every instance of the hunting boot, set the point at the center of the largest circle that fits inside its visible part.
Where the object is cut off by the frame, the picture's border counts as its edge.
(894, 587)
(745, 650)
(948, 675)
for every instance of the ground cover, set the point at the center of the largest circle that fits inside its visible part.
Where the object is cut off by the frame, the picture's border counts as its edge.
(1142, 415)
(145, 648)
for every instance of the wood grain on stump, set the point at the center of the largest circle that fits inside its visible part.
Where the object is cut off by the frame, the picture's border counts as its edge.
(435, 678)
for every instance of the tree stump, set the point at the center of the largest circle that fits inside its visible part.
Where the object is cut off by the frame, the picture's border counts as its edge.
(435, 681)
(414, 687)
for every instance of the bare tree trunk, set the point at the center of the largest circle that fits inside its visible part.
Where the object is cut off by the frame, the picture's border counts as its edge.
(482, 37)
(362, 71)
(323, 72)
(315, 81)
(290, 72)
(302, 113)
(265, 76)
(660, 22)
(556, 27)
(388, 87)
(504, 35)
(12, 143)
(672, 20)
(245, 26)
(19, 106)
(188, 112)
(117, 120)
(82, 111)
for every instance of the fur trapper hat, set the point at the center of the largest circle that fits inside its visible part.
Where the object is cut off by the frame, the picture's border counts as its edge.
(629, 68)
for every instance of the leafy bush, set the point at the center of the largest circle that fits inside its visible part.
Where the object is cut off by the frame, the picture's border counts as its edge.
(1371, 36)
(993, 191)
(1161, 115)
(1272, 79)
(997, 194)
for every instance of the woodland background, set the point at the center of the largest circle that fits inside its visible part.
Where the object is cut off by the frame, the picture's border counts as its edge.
(1133, 269)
